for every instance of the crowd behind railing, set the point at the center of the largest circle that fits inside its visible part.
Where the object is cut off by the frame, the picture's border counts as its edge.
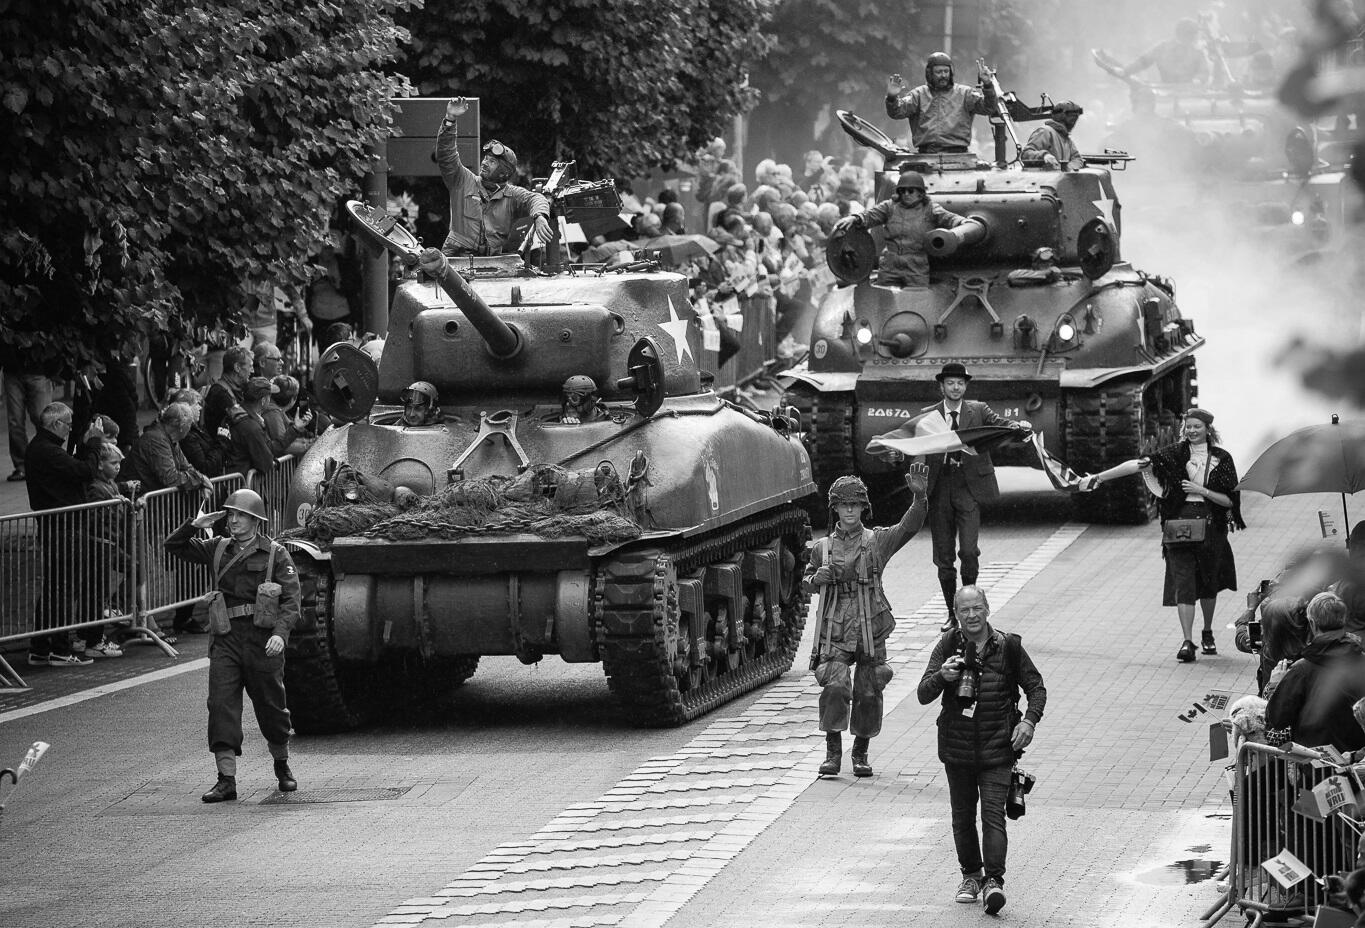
(1297, 745)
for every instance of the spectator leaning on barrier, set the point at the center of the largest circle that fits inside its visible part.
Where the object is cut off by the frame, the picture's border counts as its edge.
(56, 479)
(1311, 705)
(286, 432)
(250, 442)
(201, 449)
(156, 459)
(227, 392)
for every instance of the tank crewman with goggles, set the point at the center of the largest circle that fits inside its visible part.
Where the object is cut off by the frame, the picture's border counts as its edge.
(1050, 144)
(579, 401)
(909, 217)
(849, 657)
(253, 607)
(483, 206)
(940, 110)
(421, 404)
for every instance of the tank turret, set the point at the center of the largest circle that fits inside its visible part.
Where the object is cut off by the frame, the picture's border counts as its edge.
(581, 493)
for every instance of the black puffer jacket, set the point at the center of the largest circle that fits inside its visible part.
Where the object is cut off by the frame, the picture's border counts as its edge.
(983, 739)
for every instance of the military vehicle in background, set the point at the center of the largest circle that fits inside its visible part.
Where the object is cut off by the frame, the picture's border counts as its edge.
(662, 534)
(1033, 297)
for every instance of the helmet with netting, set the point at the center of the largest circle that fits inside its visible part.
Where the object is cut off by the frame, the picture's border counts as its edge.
(849, 490)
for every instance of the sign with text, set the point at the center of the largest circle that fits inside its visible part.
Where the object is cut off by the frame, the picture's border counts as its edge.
(1286, 869)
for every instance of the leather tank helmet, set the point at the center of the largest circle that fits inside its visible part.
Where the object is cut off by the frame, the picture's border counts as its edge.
(850, 490)
(938, 59)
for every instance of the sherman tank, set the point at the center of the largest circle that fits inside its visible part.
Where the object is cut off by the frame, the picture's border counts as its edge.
(1033, 297)
(661, 533)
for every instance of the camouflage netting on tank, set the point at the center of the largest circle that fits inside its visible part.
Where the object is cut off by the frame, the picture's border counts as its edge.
(545, 500)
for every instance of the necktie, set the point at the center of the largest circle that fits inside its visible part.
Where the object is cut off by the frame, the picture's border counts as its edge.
(954, 456)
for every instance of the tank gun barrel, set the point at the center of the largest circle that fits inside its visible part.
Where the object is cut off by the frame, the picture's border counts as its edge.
(944, 242)
(503, 340)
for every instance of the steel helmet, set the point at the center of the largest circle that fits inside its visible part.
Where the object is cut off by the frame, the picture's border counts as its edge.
(938, 59)
(248, 502)
(849, 490)
(912, 179)
(420, 388)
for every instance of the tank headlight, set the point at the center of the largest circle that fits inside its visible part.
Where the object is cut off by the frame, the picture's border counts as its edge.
(1066, 331)
(1297, 217)
(864, 334)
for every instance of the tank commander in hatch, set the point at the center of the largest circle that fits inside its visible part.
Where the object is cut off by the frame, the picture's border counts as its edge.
(421, 404)
(1050, 145)
(909, 217)
(483, 206)
(579, 401)
(940, 110)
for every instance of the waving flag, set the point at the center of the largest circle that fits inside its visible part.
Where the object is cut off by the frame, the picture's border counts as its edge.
(927, 433)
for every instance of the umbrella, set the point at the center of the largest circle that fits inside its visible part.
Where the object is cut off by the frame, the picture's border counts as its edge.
(1317, 459)
(674, 250)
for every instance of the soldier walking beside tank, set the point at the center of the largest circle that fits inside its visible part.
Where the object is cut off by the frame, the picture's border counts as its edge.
(909, 217)
(958, 484)
(484, 205)
(1050, 144)
(849, 657)
(254, 605)
(940, 110)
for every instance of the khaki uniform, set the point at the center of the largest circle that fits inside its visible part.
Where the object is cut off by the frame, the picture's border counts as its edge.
(855, 621)
(237, 660)
(903, 261)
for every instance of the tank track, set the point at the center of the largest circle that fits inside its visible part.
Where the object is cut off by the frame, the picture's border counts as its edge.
(1110, 425)
(635, 614)
(325, 696)
(313, 676)
(828, 418)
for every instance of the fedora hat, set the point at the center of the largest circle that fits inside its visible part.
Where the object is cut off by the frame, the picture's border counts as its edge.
(953, 369)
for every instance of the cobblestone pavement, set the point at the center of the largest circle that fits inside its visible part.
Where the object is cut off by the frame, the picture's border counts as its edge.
(536, 806)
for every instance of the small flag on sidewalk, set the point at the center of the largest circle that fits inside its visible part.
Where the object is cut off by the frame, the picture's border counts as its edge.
(1286, 869)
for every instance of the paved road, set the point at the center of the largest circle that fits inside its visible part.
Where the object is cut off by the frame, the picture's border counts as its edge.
(531, 802)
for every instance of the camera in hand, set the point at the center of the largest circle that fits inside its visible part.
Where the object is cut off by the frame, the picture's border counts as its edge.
(1254, 635)
(1021, 784)
(968, 683)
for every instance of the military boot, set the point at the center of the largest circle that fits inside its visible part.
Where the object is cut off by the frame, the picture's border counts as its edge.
(224, 790)
(834, 749)
(286, 776)
(861, 768)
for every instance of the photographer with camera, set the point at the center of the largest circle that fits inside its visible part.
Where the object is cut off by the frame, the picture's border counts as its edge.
(978, 671)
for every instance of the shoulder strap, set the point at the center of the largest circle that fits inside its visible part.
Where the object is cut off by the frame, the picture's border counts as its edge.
(1014, 649)
(270, 561)
(218, 560)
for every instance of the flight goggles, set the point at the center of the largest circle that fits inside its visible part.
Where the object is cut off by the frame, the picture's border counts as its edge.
(495, 148)
(575, 396)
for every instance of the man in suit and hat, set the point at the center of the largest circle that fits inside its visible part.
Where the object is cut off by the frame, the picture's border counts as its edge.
(958, 483)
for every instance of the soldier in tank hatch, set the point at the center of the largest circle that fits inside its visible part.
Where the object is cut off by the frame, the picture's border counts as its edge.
(483, 206)
(849, 658)
(1050, 144)
(940, 111)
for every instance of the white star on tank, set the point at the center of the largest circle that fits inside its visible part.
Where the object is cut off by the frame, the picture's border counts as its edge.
(676, 329)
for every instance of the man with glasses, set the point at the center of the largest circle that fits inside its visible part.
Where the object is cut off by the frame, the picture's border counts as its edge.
(909, 217)
(56, 479)
(483, 206)
(1050, 144)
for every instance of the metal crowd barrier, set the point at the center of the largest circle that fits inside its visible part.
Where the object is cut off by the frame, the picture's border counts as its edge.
(62, 570)
(1266, 784)
(757, 346)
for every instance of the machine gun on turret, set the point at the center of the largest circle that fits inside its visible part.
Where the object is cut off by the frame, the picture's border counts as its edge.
(1009, 110)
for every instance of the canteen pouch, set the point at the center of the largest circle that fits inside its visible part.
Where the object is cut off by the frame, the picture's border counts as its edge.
(211, 610)
(268, 597)
(1183, 531)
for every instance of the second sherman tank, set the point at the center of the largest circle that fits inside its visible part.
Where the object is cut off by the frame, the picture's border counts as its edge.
(580, 491)
(1032, 295)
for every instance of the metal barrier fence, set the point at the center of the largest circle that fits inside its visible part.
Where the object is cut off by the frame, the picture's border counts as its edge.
(81, 567)
(757, 345)
(1267, 784)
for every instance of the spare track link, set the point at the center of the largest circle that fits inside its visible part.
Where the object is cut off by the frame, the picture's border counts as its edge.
(631, 592)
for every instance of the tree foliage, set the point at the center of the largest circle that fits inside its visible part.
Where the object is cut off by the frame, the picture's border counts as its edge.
(618, 85)
(166, 158)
